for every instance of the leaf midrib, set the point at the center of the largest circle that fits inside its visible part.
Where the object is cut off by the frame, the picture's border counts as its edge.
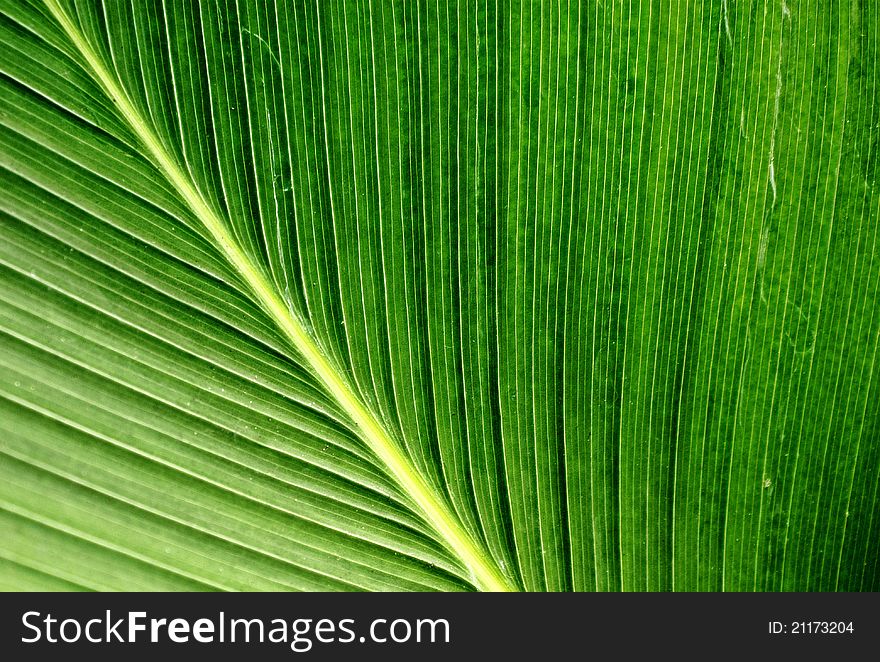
(485, 572)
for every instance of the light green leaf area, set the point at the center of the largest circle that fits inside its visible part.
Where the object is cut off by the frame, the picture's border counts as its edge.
(331, 295)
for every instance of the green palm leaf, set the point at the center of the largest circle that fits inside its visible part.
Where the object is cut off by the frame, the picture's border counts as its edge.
(439, 296)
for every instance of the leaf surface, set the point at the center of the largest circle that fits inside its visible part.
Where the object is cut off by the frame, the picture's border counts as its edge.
(439, 296)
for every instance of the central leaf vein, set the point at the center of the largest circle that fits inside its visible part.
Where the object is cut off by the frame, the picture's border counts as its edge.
(484, 570)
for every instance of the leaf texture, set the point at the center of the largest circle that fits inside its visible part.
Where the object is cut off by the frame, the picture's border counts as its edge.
(439, 296)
